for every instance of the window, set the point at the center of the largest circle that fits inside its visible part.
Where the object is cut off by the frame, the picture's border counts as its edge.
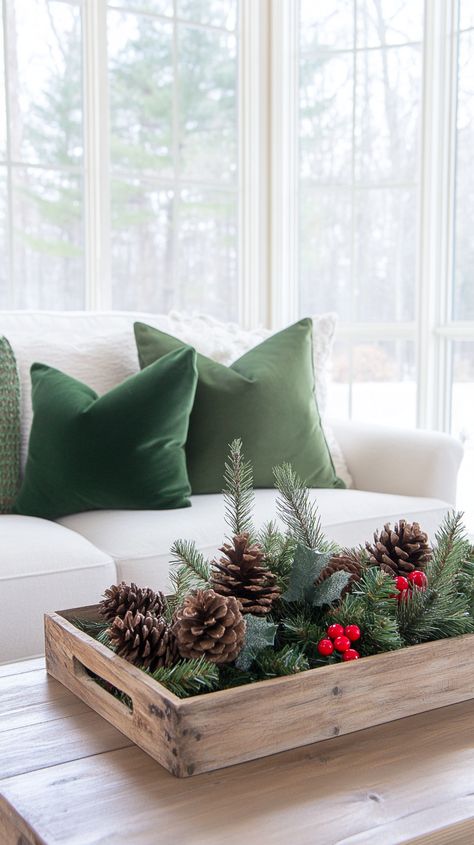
(126, 195)
(41, 156)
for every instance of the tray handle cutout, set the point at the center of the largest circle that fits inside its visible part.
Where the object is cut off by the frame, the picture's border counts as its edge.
(102, 686)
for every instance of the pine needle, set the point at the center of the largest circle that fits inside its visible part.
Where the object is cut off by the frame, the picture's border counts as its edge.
(192, 572)
(188, 677)
(297, 512)
(238, 491)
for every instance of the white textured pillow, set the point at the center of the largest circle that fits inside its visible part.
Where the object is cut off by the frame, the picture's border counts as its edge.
(99, 349)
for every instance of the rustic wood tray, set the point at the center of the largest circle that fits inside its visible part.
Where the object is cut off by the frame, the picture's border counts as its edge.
(218, 729)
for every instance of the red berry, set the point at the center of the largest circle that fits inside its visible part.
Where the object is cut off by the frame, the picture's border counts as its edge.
(401, 583)
(403, 595)
(342, 643)
(335, 630)
(352, 632)
(351, 654)
(325, 647)
(418, 578)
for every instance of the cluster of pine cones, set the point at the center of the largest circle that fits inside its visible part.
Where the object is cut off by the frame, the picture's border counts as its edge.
(397, 551)
(210, 623)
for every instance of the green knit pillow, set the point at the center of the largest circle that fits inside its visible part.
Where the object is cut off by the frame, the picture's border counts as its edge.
(9, 427)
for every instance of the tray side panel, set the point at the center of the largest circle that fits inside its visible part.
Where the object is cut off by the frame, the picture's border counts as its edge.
(153, 722)
(242, 724)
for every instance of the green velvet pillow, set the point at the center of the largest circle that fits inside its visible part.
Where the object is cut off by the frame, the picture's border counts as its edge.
(121, 450)
(266, 398)
(9, 427)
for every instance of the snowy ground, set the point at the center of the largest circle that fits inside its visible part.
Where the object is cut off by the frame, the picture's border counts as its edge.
(395, 404)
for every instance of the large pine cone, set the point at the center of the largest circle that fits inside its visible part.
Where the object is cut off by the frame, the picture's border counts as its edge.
(209, 625)
(349, 560)
(400, 550)
(119, 598)
(241, 573)
(143, 639)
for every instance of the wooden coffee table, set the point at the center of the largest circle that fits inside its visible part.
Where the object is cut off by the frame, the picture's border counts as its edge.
(67, 776)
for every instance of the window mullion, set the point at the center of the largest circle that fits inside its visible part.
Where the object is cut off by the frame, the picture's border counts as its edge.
(436, 212)
(284, 161)
(96, 156)
(254, 163)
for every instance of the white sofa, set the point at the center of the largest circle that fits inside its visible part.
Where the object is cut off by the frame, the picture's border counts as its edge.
(46, 565)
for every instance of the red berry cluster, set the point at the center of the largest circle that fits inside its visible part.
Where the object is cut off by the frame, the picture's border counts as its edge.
(340, 639)
(417, 578)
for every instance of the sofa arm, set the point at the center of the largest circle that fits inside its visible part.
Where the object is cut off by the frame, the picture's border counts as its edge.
(410, 462)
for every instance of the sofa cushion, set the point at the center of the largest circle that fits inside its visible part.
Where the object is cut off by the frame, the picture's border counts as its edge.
(43, 566)
(140, 541)
(121, 450)
(266, 398)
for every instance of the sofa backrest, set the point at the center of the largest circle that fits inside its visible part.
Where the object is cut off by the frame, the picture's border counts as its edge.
(98, 348)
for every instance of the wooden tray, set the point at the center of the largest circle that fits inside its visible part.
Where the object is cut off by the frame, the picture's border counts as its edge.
(218, 729)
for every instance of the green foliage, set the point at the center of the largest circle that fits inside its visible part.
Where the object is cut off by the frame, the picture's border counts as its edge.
(192, 572)
(371, 606)
(279, 552)
(259, 634)
(272, 664)
(444, 608)
(301, 629)
(297, 512)
(188, 677)
(238, 491)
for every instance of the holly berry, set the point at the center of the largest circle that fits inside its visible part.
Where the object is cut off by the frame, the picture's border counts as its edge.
(335, 630)
(342, 643)
(351, 654)
(418, 578)
(352, 632)
(325, 647)
(401, 583)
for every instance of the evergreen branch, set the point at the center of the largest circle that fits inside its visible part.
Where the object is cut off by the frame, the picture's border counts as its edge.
(300, 629)
(188, 677)
(443, 609)
(191, 572)
(238, 491)
(93, 627)
(279, 551)
(272, 664)
(297, 512)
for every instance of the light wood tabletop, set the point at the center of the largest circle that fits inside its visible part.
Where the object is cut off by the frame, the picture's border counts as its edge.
(67, 776)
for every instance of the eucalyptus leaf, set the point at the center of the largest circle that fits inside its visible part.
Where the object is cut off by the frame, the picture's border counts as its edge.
(331, 588)
(259, 634)
(307, 567)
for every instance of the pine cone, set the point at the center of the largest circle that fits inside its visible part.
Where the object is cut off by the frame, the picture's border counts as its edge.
(119, 598)
(143, 639)
(209, 625)
(349, 560)
(400, 550)
(241, 573)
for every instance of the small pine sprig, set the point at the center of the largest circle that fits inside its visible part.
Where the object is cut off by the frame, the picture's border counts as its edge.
(273, 664)
(302, 630)
(188, 677)
(372, 607)
(443, 609)
(298, 513)
(191, 571)
(279, 551)
(238, 491)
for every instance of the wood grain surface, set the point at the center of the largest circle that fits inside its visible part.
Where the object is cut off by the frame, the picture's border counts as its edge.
(410, 781)
(210, 731)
